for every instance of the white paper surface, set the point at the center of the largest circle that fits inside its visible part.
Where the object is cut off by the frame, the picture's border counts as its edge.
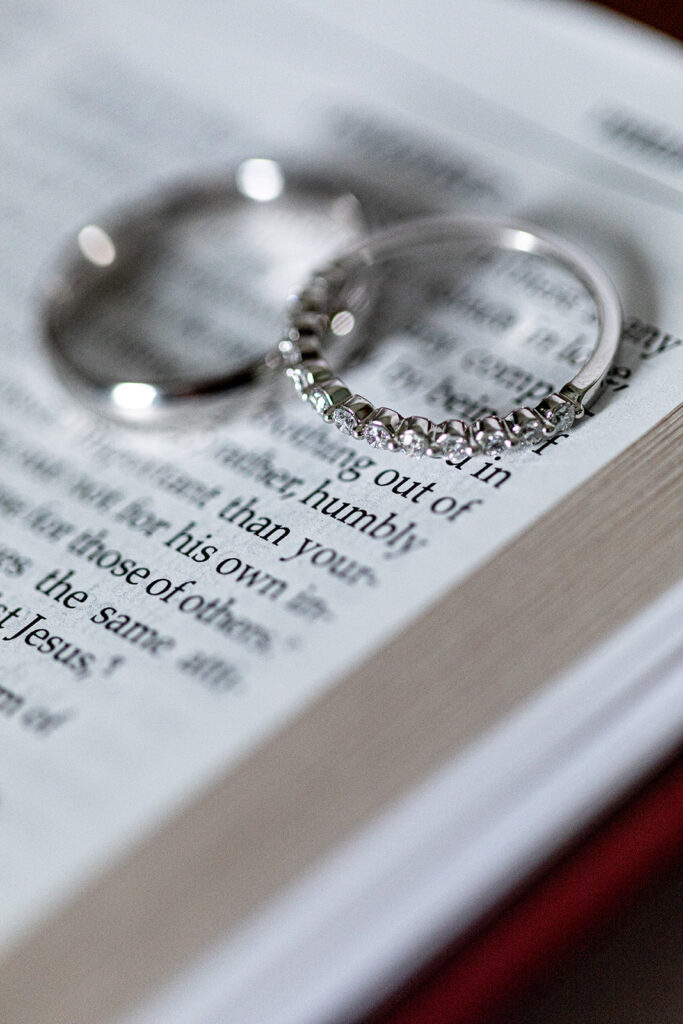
(487, 107)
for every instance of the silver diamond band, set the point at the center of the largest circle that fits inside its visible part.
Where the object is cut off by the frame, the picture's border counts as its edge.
(317, 306)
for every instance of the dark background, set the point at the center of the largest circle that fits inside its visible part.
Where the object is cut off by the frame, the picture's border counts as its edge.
(666, 15)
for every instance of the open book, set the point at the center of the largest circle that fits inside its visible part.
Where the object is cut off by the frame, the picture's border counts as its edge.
(382, 729)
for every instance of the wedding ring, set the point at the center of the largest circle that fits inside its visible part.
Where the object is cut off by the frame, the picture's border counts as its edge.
(386, 429)
(109, 252)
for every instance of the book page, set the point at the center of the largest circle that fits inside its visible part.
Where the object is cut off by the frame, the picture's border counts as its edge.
(362, 919)
(168, 600)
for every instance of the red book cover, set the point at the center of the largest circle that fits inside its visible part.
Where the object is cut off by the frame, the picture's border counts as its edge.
(477, 979)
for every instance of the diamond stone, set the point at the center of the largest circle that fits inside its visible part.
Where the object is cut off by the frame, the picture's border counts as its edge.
(531, 433)
(450, 440)
(454, 447)
(345, 420)
(491, 435)
(299, 379)
(494, 443)
(319, 399)
(562, 417)
(378, 436)
(414, 442)
(289, 352)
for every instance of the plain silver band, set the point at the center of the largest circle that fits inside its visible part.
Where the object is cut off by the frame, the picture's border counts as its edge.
(74, 277)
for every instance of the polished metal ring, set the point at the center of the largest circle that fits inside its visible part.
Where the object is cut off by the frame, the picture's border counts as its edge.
(417, 436)
(111, 250)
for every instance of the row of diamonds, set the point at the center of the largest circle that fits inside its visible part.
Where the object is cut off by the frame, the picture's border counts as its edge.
(452, 439)
(385, 429)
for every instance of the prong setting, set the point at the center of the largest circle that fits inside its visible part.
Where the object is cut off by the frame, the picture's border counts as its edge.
(351, 414)
(451, 440)
(306, 375)
(325, 396)
(414, 435)
(525, 427)
(557, 414)
(491, 435)
(380, 429)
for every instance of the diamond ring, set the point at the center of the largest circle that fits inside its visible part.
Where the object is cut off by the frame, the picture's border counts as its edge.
(318, 309)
